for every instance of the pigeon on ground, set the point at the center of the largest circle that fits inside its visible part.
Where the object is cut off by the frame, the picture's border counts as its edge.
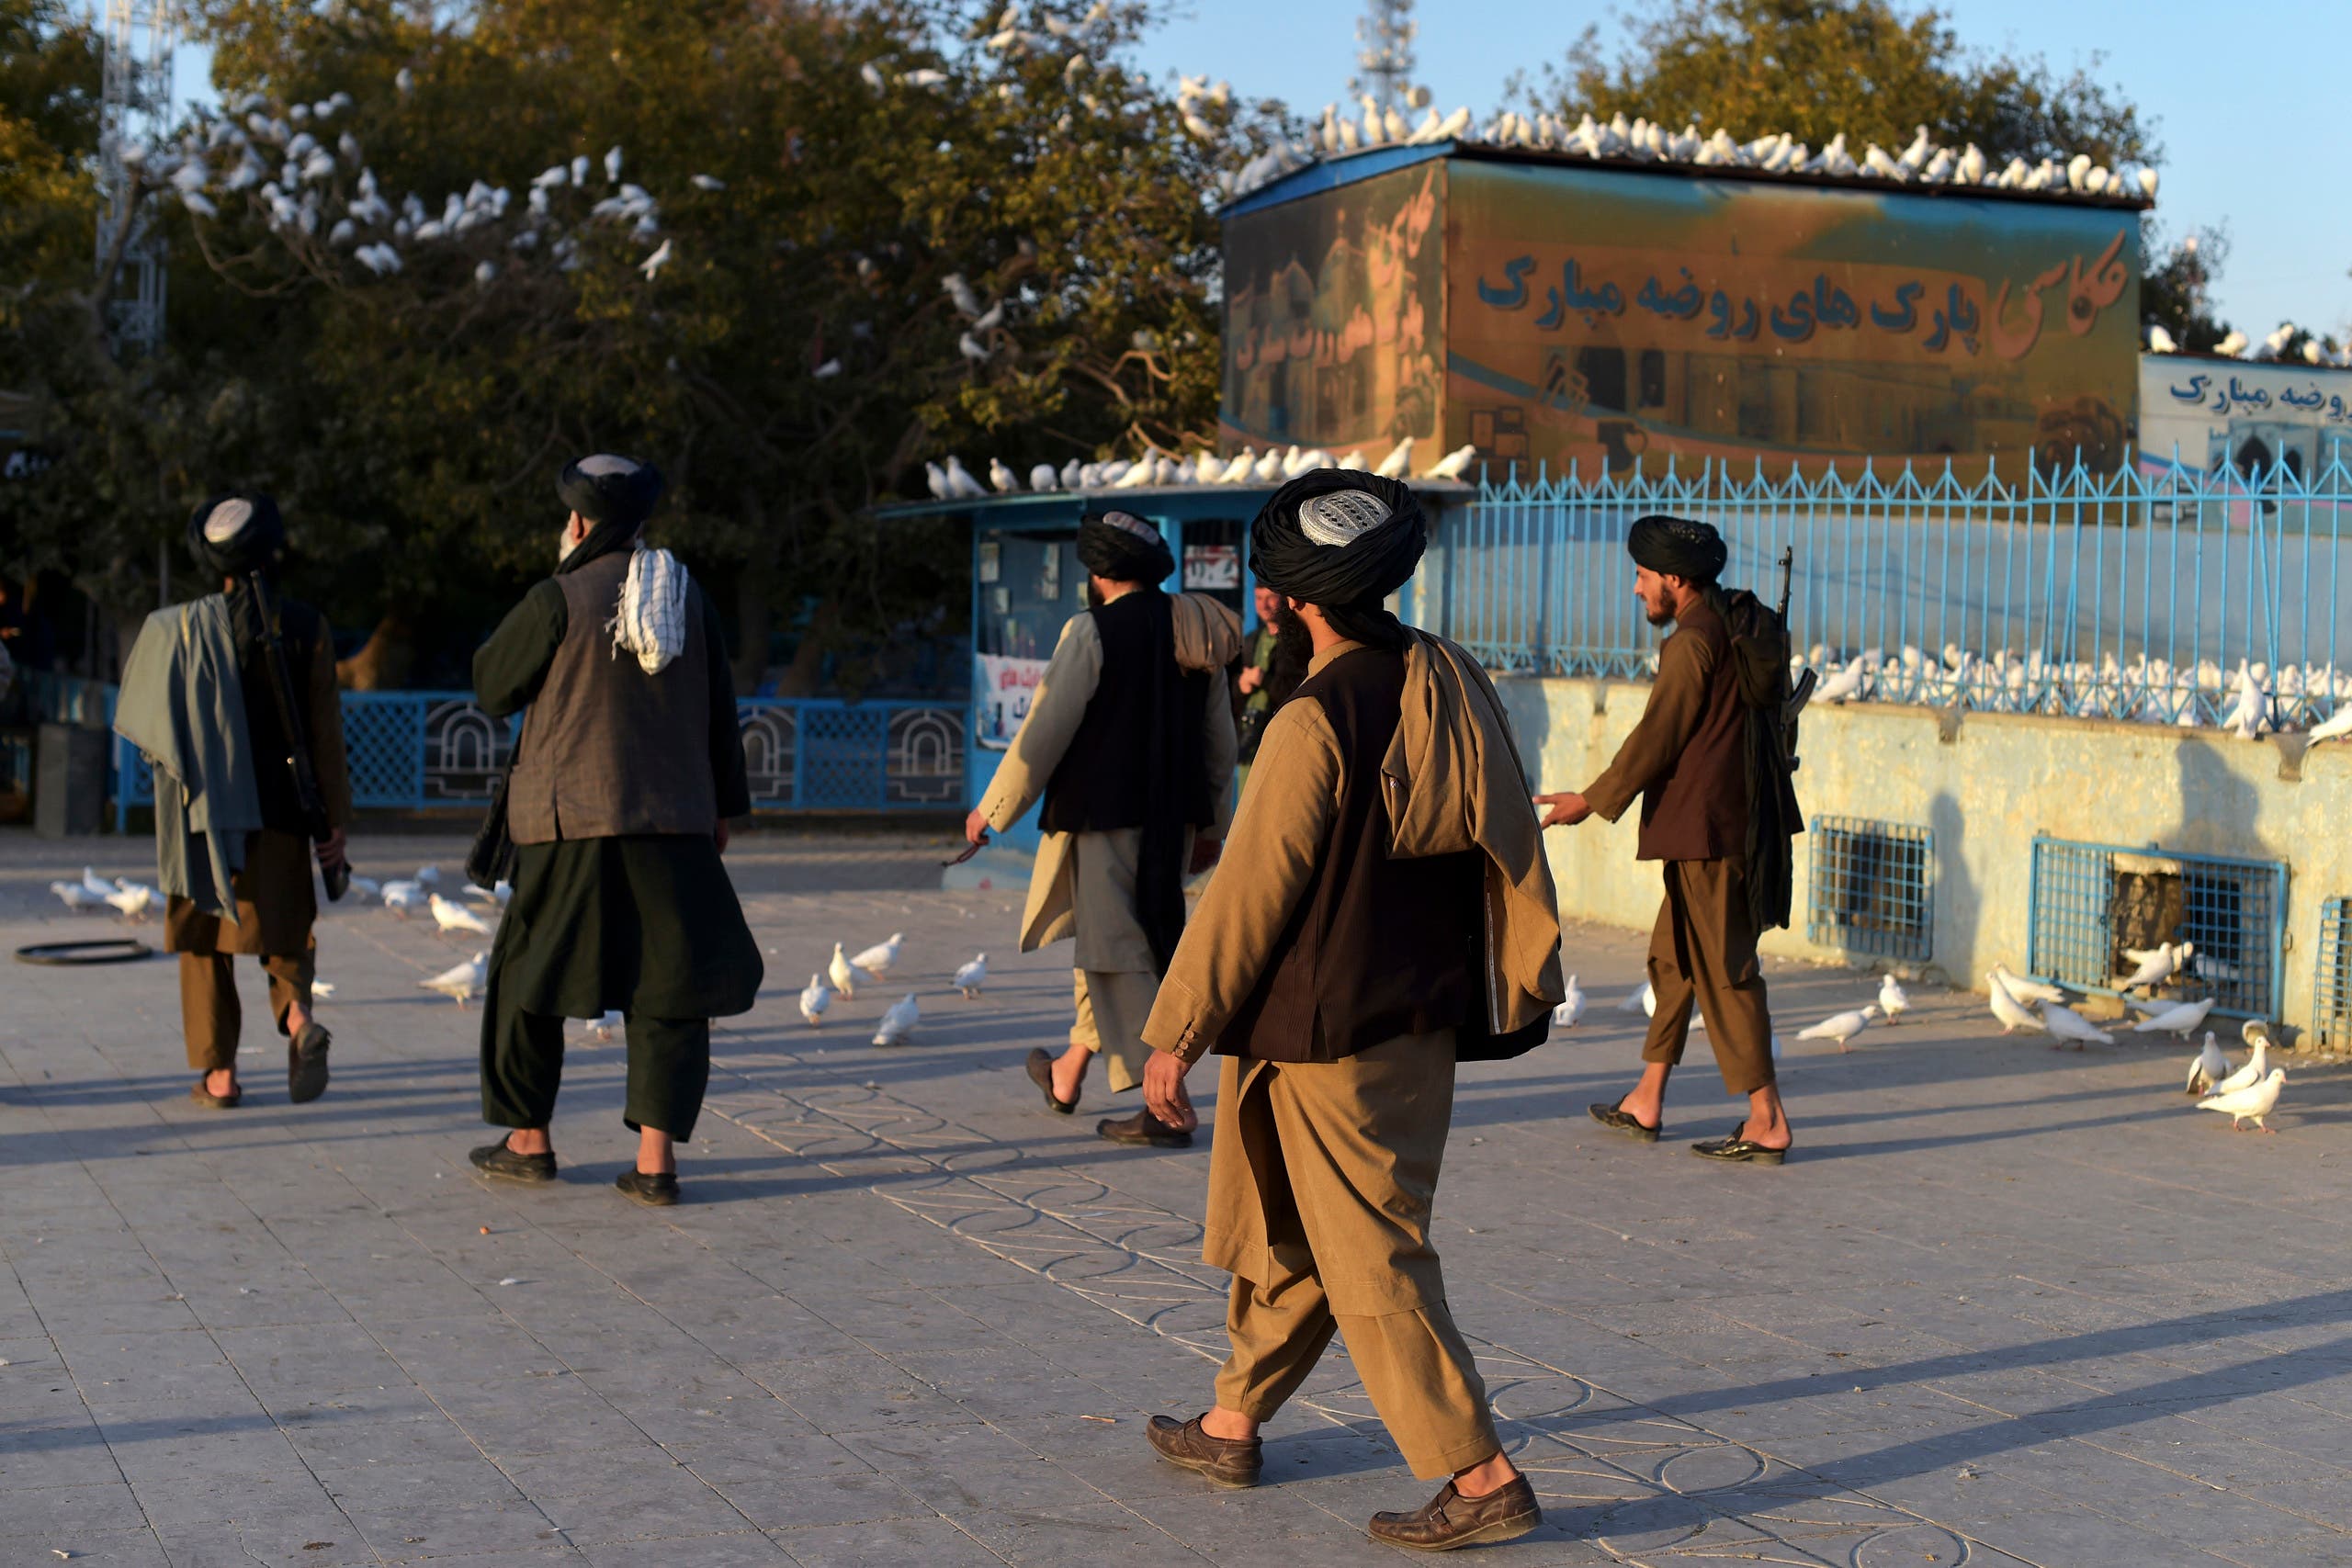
(403, 898)
(1893, 1000)
(366, 887)
(2208, 1068)
(96, 886)
(462, 981)
(2025, 990)
(876, 960)
(500, 894)
(898, 1022)
(2067, 1025)
(2012, 1013)
(453, 917)
(602, 1030)
(2252, 1103)
(2257, 1066)
(1841, 1028)
(131, 900)
(815, 1000)
(1648, 996)
(427, 876)
(2178, 1019)
(841, 973)
(1571, 1010)
(2157, 965)
(972, 977)
(321, 989)
(1643, 1000)
(73, 896)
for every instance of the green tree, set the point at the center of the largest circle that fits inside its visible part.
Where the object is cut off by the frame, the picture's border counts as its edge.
(2177, 286)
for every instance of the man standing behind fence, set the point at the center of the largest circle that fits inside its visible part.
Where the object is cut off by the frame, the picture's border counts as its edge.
(1129, 739)
(627, 768)
(1687, 759)
(200, 698)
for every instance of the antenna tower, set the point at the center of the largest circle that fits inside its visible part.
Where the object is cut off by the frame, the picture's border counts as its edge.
(1385, 59)
(134, 105)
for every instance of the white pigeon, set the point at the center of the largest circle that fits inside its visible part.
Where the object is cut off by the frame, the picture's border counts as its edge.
(841, 973)
(403, 898)
(96, 886)
(1643, 1000)
(2157, 965)
(1845, 683)
(427, 876)
(131, 900)
(2207, 1068)
(972, 977)
(876, 960)
(366, 887)
(321, 989)
(2336, 728)
(656, 262)
(815, 999)
(2252, 1103)
(2007, 1007)
(455, 917)
(1453, 464)
(898, 1022)
(602, 1030)
(1570, 1010)
(462, 981)
(1892, 1001)
(1648, 997)
(2067, 1025)
(2026, 990)
(1842, 1027)
(73, 896)
(2257, 1066)
(2178, 1019)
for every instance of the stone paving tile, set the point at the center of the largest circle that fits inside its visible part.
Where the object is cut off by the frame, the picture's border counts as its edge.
(1967, 1322)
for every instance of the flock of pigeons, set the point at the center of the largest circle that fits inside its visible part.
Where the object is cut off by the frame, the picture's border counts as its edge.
(2247, 1093)
(131, 900)
(950, 480)
(840, 978)
(2251, 701)
(1641, 141)
(2276, 346)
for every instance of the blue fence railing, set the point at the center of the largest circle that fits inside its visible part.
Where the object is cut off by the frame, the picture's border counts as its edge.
(2138, 595)
(413, 750)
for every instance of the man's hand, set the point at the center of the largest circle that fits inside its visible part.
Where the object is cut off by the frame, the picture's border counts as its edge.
(1163, 1090)
(720, 834)
(330, 850)
(1251, 679)
(976, 828)
(1566, 809)
(1206, 848)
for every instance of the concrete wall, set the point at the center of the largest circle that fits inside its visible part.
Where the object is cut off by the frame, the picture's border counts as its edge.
(1986, 783)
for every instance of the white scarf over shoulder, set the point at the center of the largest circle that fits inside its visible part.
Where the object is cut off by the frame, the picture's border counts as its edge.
(650, 621)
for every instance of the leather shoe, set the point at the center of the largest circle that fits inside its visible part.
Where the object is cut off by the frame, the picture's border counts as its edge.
(1228, 1461)
(1040, 1068)
(655, 1190)
(306, 1064)
(1738, 1150)
(1617, 1119)
(1144, 1130)
(497, 1160)
(1450, 1520)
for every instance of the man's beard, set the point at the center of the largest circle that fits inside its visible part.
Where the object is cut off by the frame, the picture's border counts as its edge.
(1659, 617)
(1094, 600)
(565, 543)
(1293, 644)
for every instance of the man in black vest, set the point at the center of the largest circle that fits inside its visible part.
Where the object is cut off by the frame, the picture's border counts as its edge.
(1129, 739)
(1382, 911)
(629, 766)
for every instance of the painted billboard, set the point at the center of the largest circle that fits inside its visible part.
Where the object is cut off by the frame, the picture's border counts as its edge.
(1334, 313)
(2252, 418)
(1607, 315)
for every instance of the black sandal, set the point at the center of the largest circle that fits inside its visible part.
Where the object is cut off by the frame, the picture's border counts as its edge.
(306, 1064)
(1041, 1073)
(1617, 1119)
(1738, 1150)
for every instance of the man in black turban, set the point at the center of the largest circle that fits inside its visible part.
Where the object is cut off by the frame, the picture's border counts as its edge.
(1687, 762)
(1129, 743)
(1382, 912)
(228, 808)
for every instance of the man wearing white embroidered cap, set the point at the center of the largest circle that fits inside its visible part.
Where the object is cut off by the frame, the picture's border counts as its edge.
(629, 766)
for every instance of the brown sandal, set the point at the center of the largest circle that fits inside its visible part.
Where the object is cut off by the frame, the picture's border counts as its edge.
(1617, 1119)
(1040, 1068)
(211, 1101)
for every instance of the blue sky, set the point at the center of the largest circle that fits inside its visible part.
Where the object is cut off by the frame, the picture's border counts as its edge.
(2250, 136)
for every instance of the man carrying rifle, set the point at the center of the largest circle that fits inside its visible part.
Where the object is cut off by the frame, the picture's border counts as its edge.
(232, 698)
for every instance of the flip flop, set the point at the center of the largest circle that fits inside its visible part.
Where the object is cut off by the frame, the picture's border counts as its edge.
(1041, 1073)
(1619, 1120)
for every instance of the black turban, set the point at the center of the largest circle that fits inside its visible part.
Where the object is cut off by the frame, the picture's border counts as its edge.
(610, 489)
(1123, 548)
(1342, 541)
(236, 534)
(1677, 547)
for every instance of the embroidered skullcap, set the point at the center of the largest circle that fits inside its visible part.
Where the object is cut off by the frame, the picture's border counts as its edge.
(1677, 547)
(1336, 536)
(236, 534)
(1123, 548)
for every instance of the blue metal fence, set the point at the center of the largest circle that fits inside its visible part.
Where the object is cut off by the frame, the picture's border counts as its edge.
(413, 750)
(2332, 983)
(2090, 903)
(2133, 594)
(1873, 888)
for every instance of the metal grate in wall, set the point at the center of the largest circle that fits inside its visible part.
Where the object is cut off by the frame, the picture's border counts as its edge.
(1872, 887)
(2095, 904)
(2331, 986)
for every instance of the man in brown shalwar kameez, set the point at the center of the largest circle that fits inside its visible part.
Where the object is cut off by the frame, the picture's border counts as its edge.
(1383, 910)
(1129, 741)
(1687, 760)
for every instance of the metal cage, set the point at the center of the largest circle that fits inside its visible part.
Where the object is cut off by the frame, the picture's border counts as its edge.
(2331, 985)
(1872, 887)
(2092, 903)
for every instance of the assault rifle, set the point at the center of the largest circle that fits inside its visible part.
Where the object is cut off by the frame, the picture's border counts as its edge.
(1802, 692)
(312, 804)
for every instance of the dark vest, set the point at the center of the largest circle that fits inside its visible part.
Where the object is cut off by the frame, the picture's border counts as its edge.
(606, 749)
(1100, 782)
(1699, 810)
(1376, 947)
(299, 625)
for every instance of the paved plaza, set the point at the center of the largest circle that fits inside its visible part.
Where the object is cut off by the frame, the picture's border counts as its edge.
(2006, 1305)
